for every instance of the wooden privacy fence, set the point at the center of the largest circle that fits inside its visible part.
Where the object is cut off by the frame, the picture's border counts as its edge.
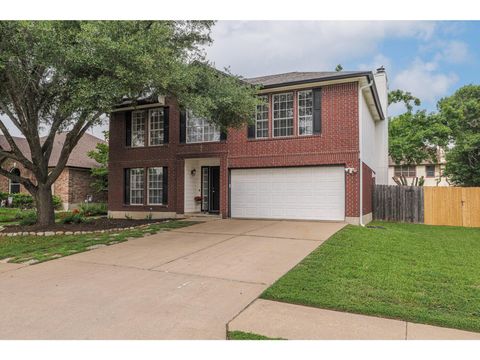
(455, 206)
(398, 203)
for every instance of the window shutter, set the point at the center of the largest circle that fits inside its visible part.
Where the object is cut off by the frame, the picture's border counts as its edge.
(317, 111)
(165, 185)
(166, 126)
(251, 131)
(223, 135)
(126, 188)
(183, 127)
(128, 128)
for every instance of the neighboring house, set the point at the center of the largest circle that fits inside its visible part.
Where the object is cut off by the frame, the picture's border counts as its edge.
(317, 147)
(73, 184)
(432, 172)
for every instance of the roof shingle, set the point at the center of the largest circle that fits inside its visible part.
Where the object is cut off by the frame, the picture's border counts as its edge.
(78, 157)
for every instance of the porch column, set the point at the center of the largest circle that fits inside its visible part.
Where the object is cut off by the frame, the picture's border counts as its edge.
(224, 187)
(180, 185)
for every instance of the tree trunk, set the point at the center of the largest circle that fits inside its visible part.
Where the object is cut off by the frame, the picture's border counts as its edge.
(44, 202)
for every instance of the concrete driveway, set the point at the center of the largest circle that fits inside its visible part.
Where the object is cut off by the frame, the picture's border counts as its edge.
(183, 284)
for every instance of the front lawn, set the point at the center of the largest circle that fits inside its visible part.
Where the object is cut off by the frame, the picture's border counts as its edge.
(42, 248)
(419, 273)
(240, 335)
(9, 214)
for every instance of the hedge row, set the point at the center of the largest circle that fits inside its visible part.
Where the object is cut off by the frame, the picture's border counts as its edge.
(25, 201)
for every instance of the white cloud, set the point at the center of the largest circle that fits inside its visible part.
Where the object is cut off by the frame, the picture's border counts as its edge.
(455, 52)
(254, 48)
(424, 81)
(377, 61)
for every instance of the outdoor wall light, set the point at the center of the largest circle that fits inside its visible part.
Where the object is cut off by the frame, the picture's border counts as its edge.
(193, 172)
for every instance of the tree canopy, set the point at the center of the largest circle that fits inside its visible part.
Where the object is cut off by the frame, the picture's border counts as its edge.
(63, 75)
(461, 114)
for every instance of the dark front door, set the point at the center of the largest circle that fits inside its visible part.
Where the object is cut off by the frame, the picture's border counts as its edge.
(211, 189)
(214, 191)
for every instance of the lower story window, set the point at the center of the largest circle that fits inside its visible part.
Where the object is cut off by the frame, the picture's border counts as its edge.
(155, 186)
(136, 186)
(14, 186)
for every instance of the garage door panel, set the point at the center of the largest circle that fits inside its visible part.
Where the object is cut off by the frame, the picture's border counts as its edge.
(314, 193)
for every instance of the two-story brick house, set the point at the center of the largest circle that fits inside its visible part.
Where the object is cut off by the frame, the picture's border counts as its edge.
(317, 145)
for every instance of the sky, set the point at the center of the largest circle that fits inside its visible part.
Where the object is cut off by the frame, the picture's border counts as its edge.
(431, 59)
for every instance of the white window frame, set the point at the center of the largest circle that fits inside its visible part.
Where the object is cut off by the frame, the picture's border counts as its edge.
(158, 188)
(11, 182)
(274, 96)
(305, 118)
(204, 125)
(145, 124)
(142, 188)
(434, 171)
(160, 130)
(266, 105)
(405, 170)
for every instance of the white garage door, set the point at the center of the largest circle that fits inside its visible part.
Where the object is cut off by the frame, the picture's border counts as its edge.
(310, 193)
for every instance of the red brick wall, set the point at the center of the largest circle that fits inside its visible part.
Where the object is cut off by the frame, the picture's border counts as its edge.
(80, 181)
(8, 165)
(72, 185)
(336, 145)
(367, 184)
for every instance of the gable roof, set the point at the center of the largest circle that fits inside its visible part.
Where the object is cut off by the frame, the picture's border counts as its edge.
(296, 78)
(300, 77)
(78, 157)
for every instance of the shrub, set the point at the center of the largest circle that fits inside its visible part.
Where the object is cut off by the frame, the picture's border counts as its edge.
(4, 196)
(57, 202)
(93, 209)
(23, 201)
(28, 218)
(73, 219)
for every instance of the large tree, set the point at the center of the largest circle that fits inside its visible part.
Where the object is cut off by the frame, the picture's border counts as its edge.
(63, 75)
(414, 136)
(461, 113)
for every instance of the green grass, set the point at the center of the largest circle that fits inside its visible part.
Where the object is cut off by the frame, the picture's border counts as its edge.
(419, 273)
(240, 335)
(43, 248)
(8, 214)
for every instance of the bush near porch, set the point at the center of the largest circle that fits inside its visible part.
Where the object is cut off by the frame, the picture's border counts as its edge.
(418, 273)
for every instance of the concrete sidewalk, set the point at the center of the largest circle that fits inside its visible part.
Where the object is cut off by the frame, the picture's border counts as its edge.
(296, 322)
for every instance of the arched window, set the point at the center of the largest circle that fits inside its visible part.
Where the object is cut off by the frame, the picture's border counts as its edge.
(14, 186)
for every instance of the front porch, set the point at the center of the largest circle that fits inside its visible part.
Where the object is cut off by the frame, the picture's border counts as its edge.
(202, 186)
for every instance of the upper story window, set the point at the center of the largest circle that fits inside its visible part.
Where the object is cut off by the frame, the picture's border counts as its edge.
(138, 128)
(283, 114)
(261, 118)
(156, 126)
(147, 127)
(430, 170)
(405, 170)
(305, 112)
(200, 130)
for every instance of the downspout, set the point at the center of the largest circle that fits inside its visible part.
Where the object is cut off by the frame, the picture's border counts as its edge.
(360, 142)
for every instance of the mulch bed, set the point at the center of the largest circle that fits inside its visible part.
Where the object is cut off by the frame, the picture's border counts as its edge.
(91, 225)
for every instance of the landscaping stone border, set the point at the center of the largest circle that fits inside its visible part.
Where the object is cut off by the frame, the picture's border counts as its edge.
(61, 233)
